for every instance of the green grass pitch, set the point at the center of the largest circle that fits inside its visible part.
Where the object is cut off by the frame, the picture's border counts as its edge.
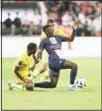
(58, 98)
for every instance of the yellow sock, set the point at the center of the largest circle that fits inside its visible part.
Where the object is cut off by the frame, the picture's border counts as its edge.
(45, 77)
(36, 73)
(20, 87)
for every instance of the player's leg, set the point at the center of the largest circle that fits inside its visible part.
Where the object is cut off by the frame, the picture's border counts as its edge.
(41, 70)
(73, 66)
(45, 77)
(54, 75)
(19, 86)
(44, 67)
(51, 84)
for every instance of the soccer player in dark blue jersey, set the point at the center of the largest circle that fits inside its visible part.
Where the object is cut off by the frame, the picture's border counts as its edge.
(52, 44)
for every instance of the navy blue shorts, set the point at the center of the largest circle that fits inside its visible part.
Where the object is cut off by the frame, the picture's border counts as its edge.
(55, 65)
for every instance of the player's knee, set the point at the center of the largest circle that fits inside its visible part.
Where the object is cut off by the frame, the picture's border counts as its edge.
(75, 66)
(30, 88)
(42, 70)
(54, 85)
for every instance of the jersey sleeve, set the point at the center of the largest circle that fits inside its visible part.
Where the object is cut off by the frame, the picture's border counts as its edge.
(63, 39)
(21, 61)
(19, 64)
(42, 44)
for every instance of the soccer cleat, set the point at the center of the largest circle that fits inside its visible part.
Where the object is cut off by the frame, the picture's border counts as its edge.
(10, 86)
(73, 88)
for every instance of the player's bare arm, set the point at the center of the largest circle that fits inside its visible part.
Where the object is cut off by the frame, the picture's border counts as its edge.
(36, 61)
(71, 38)
(16, 71)
(74, 26)
(39, 53)
(26, 81)
(40, 56)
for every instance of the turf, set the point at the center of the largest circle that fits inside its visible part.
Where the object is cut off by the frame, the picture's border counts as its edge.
(58, 98)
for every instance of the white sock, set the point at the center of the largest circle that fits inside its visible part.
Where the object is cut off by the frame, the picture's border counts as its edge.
(13, 84)
(71, 85)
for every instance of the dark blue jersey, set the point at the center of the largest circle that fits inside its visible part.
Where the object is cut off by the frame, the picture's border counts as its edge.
(52, 45)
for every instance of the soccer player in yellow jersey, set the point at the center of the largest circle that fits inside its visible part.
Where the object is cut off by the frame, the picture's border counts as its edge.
(24, 66)
(44, 57)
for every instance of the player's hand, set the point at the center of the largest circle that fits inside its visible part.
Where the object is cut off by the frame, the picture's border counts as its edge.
(29, 84)
(35, 58)
(26, 81)
(74, 24)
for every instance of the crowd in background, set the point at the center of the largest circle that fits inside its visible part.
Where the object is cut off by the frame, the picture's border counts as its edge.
(21, 26)
(17, 27)
(87, 13)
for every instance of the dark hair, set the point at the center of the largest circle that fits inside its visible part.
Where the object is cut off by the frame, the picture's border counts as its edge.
(31, 46)
(50, 21)
(45, 27)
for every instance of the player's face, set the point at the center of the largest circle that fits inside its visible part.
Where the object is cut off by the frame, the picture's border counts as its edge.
(49, 31)
(51, 27)
(33, 51)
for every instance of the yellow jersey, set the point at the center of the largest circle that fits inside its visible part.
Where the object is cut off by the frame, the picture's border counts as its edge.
(24, 62)
(57, 31)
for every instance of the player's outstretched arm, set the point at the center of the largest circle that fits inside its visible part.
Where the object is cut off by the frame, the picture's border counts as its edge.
(72, 35)
(74, 28)
(71, 38)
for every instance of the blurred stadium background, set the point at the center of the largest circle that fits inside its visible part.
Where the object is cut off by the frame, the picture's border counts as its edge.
(28, 17)
(22, 23)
